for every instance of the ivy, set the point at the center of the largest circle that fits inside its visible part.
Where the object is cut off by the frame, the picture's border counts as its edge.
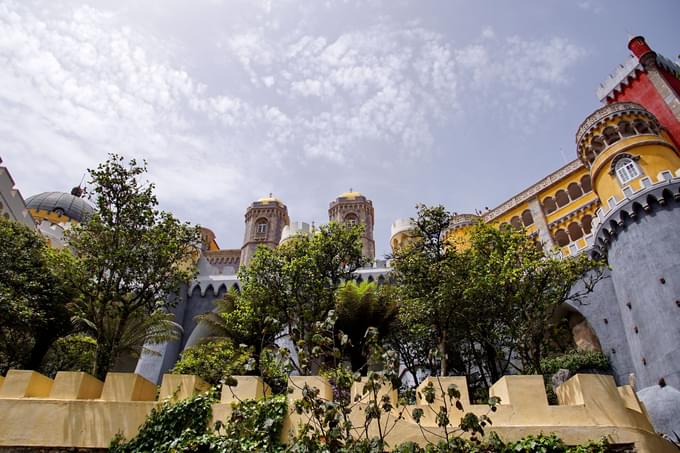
(184, 426)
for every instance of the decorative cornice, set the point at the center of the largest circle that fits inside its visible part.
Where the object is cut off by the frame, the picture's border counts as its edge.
(461, 220)
(534, 190)
(604, 112)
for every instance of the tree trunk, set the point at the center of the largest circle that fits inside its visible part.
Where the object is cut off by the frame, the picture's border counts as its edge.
(103, 360)
(492, 362)
(444, 365)
(42, 344)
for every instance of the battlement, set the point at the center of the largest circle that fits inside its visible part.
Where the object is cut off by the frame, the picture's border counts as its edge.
(77, 410)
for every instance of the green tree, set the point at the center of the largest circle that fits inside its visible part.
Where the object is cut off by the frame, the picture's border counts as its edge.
(358, 307)
(33, 296)
(291, 289)
(212, 361)
(487, 304)
(513, 293)
(432, 275)
(131, 259)
(70, 353)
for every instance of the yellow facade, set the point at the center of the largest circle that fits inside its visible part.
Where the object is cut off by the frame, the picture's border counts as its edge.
(561, 209)
(77, 411)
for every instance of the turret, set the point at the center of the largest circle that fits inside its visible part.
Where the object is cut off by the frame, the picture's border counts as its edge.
(635, 170)
(353, 208)
(265, 220)
(625, 148)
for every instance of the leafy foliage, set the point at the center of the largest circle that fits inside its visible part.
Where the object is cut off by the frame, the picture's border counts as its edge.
(131, 259)
(577, 361)
(360, 306)
(212, 361)
(184, 426)
(33, 296)
(71, 353)
(481, 306)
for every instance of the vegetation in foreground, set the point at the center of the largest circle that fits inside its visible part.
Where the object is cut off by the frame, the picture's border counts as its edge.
(482, 307)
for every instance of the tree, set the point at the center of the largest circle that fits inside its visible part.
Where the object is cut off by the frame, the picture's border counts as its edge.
(519, 288)
(487, 304)
(33, 296)
(358, 307)
(212, 361)
(432, 276)
(131, 259)
(291, 289)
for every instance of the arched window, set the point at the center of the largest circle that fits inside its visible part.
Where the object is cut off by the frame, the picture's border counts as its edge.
(561, 238)
(261, 227)
(653, 127)
(527, 218)
(515, 222)
(549, 205)
(641, 127)
(586, 184)
(626, 170)
(611, 135)
(597, 144)
(626, 129)
(587, 223)
(351, 219)
(561, 198)
(575, 231)
(574, 191)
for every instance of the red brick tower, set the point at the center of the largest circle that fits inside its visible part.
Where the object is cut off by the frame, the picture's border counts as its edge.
(651, 80)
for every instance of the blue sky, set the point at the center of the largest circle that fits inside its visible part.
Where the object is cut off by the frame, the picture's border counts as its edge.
(451, 102)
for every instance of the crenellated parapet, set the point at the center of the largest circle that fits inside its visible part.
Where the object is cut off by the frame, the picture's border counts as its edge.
(77, 410)
(613, 216)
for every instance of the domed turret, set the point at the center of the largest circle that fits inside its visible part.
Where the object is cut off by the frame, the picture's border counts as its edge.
(265, 221)
(59, 207)
(354, 208)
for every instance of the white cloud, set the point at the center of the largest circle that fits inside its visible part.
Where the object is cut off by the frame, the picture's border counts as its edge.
(488, 32)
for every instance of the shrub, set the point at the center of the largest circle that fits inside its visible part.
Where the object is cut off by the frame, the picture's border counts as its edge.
(212, 361)
(577, 361)
(72, 353)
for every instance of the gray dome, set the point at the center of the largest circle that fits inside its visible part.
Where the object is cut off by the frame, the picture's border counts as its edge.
(73, 207)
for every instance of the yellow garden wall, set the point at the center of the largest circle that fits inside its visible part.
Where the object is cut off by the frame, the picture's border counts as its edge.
(77, 410)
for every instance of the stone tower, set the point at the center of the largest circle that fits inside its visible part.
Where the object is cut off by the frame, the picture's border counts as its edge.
(354, 208)
(265, 220)
(635, 169)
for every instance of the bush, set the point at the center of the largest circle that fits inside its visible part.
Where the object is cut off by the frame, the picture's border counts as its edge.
(184, 426)
(577, 362)
(212, 361)
(72, 353)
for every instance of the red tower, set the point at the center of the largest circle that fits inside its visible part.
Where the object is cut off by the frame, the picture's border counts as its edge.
(651, 80)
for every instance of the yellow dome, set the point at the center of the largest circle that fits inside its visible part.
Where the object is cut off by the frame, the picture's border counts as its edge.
(269, 199)
(350, 194)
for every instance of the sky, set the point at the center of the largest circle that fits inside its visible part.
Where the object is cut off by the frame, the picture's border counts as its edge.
(460, 103)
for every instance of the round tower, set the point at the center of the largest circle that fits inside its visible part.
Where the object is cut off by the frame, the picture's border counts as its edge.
(265, 220)
(460, 227)
(400, 233)
(353, 208)
(635, 170)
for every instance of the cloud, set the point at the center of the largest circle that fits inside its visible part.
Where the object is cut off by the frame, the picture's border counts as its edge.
(77, 82)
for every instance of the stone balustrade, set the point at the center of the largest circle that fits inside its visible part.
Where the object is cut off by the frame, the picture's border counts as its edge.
(75, 410)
